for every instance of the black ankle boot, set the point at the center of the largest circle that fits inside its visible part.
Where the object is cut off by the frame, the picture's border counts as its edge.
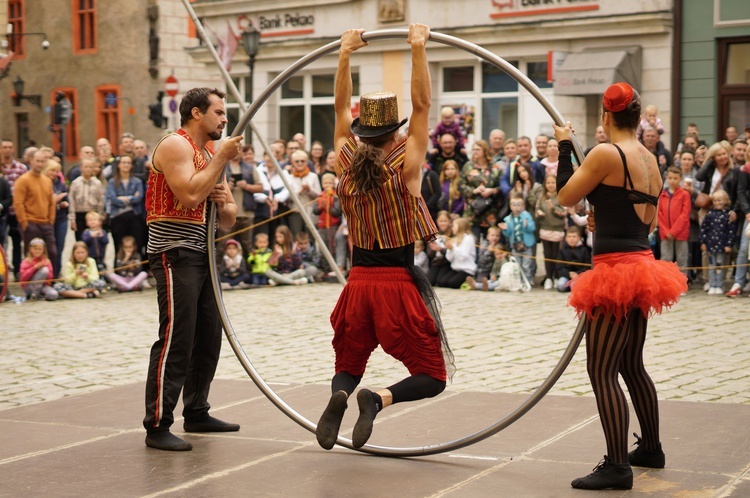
(641, 457)
(606, 475)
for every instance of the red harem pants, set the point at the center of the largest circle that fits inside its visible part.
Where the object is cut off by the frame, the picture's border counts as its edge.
(381, 305)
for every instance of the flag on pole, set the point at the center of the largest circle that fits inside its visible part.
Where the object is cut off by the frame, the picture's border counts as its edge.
(227, 46)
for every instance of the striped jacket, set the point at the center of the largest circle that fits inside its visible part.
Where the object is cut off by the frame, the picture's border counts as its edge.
(389, 215)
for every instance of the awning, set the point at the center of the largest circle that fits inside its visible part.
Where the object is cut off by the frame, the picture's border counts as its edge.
(591, 72)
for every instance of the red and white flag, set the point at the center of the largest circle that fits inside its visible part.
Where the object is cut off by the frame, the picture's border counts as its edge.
(227, 46)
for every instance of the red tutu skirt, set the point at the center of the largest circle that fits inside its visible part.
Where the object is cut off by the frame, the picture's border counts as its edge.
(622, 281)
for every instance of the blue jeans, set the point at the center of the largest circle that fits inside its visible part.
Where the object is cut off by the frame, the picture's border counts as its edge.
(741, 271)
(61, 230)
(527, 262)
(562, 284)
(716, 275)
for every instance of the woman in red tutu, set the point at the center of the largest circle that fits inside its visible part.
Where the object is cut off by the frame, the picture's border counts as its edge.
(626, 285)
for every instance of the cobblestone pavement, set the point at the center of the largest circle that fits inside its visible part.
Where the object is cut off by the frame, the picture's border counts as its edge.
(502, 342)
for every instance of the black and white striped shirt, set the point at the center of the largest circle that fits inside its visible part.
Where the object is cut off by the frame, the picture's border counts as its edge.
(166, 235)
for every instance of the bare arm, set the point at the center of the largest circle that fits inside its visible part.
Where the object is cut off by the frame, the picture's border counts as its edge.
(421, 96)
(226, 209)
(351, 40)
(174, 158)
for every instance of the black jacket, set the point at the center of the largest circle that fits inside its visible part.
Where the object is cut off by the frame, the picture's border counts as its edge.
(729, 184)
(578, 254)
(6, 196)
(431, 191)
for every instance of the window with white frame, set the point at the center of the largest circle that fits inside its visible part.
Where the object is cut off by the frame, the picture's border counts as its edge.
(306, 106)
(485, 97)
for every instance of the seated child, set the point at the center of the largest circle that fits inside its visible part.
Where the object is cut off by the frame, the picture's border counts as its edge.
(36, 269)
(258, 260)
(232, 267)
(80, 275)
(420, 256)
(574, 254)
(518, 228)
(96, 238)
(328, 210)
(285, 262)
(486, 257)
(491, 283)
(308, 255)
(447, 124)
(128, 274)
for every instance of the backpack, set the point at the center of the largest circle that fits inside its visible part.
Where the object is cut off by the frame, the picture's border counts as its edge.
(512, 278)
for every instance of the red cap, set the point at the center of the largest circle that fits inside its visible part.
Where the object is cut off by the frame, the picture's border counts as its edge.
(617, 97)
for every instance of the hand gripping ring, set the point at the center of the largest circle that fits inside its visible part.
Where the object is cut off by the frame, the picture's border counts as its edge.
(491, 430)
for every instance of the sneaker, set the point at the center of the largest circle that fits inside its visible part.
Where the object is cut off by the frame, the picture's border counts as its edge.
(301, 281)
(641, 457)
(226, 286)
(472, 282)
(607, 475)
(271, 282)
(548, 284)
(746, 288)
(707, 287)
(735, 291)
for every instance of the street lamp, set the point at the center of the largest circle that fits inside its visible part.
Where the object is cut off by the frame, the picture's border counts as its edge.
(251, 44)
(10, 34)
(18, 87)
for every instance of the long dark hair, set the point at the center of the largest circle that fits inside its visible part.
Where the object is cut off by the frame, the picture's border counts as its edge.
(367, 163)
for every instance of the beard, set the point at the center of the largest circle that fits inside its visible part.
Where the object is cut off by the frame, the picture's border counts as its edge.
(214, 135)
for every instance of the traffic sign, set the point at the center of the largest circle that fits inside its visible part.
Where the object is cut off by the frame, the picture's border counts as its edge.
(110, 99)
(173, 106)
(172, 86)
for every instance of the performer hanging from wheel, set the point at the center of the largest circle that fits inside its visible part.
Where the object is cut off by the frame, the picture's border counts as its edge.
(626, 285)
(387, 301)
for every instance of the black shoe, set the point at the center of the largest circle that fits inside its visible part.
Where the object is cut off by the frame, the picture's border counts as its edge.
(606, 475)
(209, 424)
(327, 430)
(167, 441)
(641, 457)
(368, 410)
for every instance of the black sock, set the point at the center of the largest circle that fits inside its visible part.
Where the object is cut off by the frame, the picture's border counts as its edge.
(344, 381)
(378, 401)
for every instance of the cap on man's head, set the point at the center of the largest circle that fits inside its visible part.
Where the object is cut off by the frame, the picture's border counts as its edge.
(378, 115)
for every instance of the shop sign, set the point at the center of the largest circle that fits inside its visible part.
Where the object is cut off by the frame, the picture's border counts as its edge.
(520, 8)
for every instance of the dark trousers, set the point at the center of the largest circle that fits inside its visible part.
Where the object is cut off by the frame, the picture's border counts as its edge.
(127, 223)
(187, 351)
(61, 230)
(46, 232)
(80, 225)
(14, 232)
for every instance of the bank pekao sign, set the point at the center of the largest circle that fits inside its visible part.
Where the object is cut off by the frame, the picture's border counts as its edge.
(520, 8)
(286, 24)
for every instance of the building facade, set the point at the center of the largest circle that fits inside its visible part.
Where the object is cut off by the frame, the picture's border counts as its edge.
(584, 45)
(712, 88)
(110, 59)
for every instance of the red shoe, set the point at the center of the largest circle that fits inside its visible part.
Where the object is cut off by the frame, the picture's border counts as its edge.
(735, 291)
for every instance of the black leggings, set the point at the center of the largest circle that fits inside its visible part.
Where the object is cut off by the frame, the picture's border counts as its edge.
(451, 278)
(412, 388)
(550, 252)
(614, 347)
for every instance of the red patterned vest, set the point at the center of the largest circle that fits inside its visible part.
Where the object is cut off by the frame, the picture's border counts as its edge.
(390, 214)
(161, 203)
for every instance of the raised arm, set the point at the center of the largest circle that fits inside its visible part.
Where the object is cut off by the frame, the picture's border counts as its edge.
(421, 98)
(351, 40)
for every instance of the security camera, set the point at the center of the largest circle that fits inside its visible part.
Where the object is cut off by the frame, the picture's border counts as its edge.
(45, 44)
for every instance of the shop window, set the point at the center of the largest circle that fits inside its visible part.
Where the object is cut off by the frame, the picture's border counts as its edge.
(72, 139)
(306, 106)
(502, 113)
(107, 109)
(496, 80)
(458, 79)
(537, 73)
(16, 43)
(84, 26)
(734, 84)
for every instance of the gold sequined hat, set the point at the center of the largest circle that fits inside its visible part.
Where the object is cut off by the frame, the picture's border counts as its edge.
(378, 115)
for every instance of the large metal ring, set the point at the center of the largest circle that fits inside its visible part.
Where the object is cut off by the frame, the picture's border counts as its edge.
(524, 407)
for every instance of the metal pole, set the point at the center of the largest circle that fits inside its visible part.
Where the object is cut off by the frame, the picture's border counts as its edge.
(239, 130)
(567, 355)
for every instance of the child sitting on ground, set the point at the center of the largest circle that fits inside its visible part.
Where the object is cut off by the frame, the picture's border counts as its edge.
(285, 262)
(258, 260)
(80, 275)
(36, 269)
(96, 238)
(518, 228)
(308, 255)
(128, 274)
(486, 257)
(574, 256)
(232, 267)
(449, 125)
